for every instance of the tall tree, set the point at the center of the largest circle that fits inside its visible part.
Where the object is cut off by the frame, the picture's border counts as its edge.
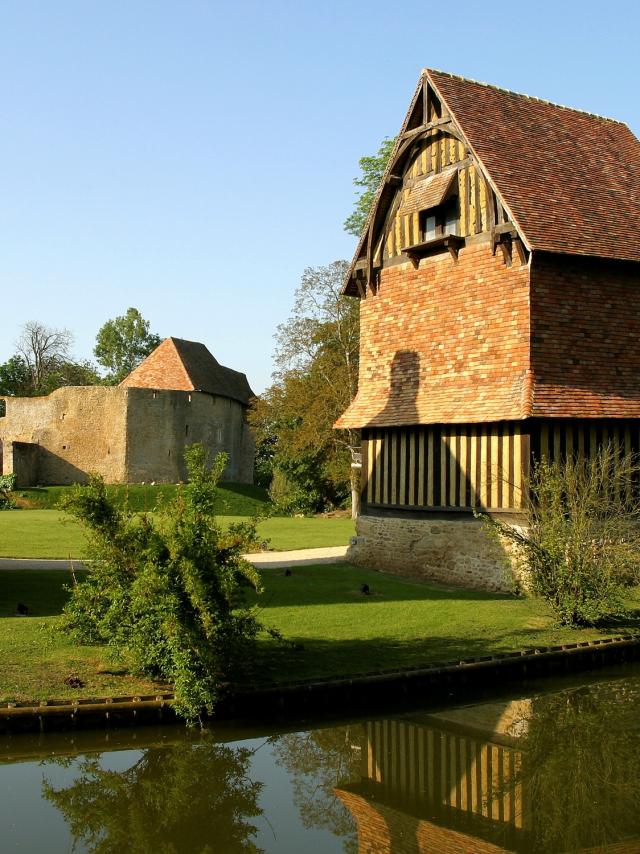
(371, 172)
(315, 380)
(15, 377)
(122, 343)
(44, 350)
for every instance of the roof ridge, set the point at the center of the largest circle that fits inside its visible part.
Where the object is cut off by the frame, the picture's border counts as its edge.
(523, 95)
(185, 370)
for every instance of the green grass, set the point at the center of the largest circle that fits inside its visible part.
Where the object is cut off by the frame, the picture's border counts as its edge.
(342, 631)
(50, 533)
(234, 499)
(36, 659)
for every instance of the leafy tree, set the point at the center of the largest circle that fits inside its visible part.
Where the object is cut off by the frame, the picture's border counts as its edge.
(44, 350)
(122, 343)
(71, 373)
(15, 377)
(581, 539)
(195, 797)
(315, 380)
(371, 172)
(163, 591)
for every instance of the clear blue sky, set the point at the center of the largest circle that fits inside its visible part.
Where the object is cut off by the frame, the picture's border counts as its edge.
(192, 158)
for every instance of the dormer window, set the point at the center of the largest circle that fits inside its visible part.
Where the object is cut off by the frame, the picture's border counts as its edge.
(440, 220)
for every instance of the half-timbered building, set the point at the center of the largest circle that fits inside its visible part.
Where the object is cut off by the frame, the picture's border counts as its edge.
(498, 277)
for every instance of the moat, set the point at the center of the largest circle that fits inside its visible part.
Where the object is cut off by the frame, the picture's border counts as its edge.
(554, 767)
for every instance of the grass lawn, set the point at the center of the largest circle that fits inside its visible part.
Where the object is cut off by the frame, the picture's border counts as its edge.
(234, 499)
(50, 533)
(342, 631)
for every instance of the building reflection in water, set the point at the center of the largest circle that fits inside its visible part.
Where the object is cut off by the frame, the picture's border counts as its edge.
(557, 773)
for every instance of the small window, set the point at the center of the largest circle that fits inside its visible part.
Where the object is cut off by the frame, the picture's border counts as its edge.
(3, 408)
(439, 221)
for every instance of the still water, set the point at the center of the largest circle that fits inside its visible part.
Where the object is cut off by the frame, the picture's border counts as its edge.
(555, 768)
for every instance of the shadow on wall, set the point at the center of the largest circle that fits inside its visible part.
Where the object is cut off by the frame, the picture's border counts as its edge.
(420, 484)
(417, 472)
(34, 465)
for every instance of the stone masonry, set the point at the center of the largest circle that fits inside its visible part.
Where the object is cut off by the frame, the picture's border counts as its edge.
(456, 552)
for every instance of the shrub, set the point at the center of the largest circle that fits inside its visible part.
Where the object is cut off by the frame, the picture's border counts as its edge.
(581, 538)
(7, 482)
(164, 591)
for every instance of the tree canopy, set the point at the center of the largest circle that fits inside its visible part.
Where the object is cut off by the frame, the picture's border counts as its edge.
(315, 380)
(15, 377)
(371, 172)
(44, 350)
(43, 362)
(122, 343)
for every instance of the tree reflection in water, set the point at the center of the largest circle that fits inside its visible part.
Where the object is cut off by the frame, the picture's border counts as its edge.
(581, 766)
(317, 762)
(190, 797)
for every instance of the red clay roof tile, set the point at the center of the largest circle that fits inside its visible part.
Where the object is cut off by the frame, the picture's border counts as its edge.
(570, 179)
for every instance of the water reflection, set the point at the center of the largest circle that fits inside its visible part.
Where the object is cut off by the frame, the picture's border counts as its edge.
(317, 763)
(184, 798)
(557, 771)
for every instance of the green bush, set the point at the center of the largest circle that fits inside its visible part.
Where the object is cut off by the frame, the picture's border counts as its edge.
(581, 537)
(164, 591)
(7, 482)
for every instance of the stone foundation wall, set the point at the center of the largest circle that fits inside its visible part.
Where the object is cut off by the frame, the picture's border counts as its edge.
(450, 551)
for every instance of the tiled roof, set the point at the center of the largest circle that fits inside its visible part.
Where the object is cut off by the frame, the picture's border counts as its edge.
(429, 192)
(570, 179)
(188, 366)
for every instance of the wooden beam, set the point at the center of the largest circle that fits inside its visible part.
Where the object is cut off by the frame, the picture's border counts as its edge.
(505, 246)
(452, 242)
(520, 249)
(427, 126)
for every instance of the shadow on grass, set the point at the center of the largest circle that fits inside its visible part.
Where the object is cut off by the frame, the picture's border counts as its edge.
(323, 659)
(331, 584)
(41, 590)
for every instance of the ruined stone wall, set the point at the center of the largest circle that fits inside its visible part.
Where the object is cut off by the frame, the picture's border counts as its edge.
(76, 429)
(127, 435)
(21, 459)
(160, 424)
(450, 551)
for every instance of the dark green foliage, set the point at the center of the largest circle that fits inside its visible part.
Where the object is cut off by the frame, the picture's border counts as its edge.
(371, 172)
(233, 499)
(581, 767)
(316, 380)
(69, 373)
(186, 797)
(122, 343)
(581, 540)
(15, 377)
(163, 590)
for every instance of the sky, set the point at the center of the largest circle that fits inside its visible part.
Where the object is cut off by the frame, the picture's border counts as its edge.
(191, 159)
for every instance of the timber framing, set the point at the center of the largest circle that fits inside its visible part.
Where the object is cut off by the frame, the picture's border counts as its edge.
(427, 117)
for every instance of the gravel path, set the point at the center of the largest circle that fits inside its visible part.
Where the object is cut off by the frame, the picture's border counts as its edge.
(276, 560)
